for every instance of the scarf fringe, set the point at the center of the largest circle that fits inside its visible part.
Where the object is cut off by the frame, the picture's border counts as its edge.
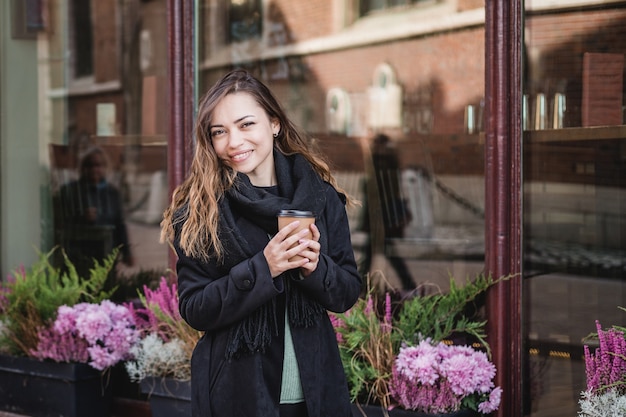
(254, 333)
(302, 311)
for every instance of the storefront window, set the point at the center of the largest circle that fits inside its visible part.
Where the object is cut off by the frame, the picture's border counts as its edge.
(245, 20)
(371, 6)
(398, 113)
(105, 68)
(574, 192)
(82, 38)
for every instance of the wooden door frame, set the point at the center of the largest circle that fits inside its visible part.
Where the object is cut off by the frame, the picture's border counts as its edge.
(503, 195)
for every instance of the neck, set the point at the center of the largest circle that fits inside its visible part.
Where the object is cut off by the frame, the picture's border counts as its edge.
(263, 182)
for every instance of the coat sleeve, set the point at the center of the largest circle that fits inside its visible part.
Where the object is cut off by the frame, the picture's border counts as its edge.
(210, 300)
(336, 283)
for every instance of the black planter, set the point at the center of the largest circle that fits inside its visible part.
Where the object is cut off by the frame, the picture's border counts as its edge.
(359, 410)
(49, 389)
(168, 397)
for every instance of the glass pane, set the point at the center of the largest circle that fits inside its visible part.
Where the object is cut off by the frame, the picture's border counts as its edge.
(574, 192)
(398, 115)
(105, 65)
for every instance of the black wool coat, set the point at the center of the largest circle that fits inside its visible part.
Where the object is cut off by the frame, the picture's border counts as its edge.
(213, 300)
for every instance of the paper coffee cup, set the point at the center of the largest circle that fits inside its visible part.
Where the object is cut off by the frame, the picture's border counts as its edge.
(306, 219)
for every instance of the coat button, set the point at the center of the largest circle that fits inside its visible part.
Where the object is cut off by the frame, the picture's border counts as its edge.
(246, 283)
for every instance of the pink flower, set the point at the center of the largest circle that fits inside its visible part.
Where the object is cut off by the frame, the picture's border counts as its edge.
(99, 334)
(606, 366)
(492, 403)
(337, 324)
(386, 323)
(158, 303)
(437, 378)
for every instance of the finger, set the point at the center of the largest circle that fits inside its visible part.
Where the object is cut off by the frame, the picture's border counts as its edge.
(312, 245)
(294, 241)
(315, 231)
(299, 248)
(287, 230)
(308, 267)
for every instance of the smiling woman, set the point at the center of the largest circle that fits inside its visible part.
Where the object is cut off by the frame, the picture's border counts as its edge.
(243, 137)
(261, 294)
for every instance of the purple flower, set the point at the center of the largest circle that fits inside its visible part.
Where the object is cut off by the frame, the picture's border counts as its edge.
(337, 324)
(159, 304)
(492, 403)
(606, 366)
(99, 334)
(437, 378)
(386, 323)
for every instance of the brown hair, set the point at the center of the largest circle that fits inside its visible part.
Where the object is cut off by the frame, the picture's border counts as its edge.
(195, 201)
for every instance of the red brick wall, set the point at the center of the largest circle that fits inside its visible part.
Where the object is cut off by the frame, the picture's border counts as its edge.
(450, 67)
(84, 111)
(555, 46)
(305, 19)
(106, 51)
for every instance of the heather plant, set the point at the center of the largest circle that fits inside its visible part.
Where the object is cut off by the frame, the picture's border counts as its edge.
(606, 367)
(31, 296)
(98, 334)
(366, 348)
(167, 341)
(605, 370)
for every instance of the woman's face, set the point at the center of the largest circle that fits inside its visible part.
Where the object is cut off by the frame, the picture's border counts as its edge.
(242, 136)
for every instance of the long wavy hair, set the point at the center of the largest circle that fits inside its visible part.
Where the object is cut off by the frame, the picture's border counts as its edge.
(195, 200)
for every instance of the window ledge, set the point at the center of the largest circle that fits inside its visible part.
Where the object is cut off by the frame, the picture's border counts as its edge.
(369, 31)
(85, 86)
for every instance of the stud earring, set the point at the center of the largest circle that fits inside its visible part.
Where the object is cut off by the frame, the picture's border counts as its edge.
(275, 135)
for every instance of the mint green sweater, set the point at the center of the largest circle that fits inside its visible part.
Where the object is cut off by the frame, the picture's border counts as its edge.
(291, 389)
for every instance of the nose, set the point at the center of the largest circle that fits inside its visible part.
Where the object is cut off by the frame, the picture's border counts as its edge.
(235, 139)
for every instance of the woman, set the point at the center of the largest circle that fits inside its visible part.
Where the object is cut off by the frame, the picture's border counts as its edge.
(269, 347)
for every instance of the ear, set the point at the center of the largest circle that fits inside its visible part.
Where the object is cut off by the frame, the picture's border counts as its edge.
(275, 127)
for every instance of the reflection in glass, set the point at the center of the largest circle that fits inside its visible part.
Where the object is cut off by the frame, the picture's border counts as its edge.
(91, 216)
(245, 20)
(574, 194)
(107, 80)
(348, 79)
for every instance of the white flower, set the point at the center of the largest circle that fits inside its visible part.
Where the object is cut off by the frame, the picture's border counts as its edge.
(153, 357)
(608, 404)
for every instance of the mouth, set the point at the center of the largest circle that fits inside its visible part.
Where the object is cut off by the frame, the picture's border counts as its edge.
(241, 156)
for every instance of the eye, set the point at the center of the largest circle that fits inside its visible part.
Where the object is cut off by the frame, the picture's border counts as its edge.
(246, 124)
(217, 133)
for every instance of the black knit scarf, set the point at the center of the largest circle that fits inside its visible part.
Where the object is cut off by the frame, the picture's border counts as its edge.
(300, 188)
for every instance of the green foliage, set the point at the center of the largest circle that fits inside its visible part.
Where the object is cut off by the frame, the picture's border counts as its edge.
(370, 334)
(31, 297)
(439, 316)
(366, 350)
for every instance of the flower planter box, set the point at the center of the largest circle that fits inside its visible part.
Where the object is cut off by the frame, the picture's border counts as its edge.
(168, 397)
(49, 389)
(359, 410)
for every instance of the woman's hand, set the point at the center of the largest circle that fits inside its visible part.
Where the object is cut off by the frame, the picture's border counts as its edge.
(283, 247)
(311, 252)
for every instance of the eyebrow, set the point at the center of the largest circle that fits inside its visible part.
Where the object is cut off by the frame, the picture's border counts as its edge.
(236, 121)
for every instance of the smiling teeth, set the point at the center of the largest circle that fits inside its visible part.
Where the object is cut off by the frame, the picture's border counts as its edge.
(240, 156)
